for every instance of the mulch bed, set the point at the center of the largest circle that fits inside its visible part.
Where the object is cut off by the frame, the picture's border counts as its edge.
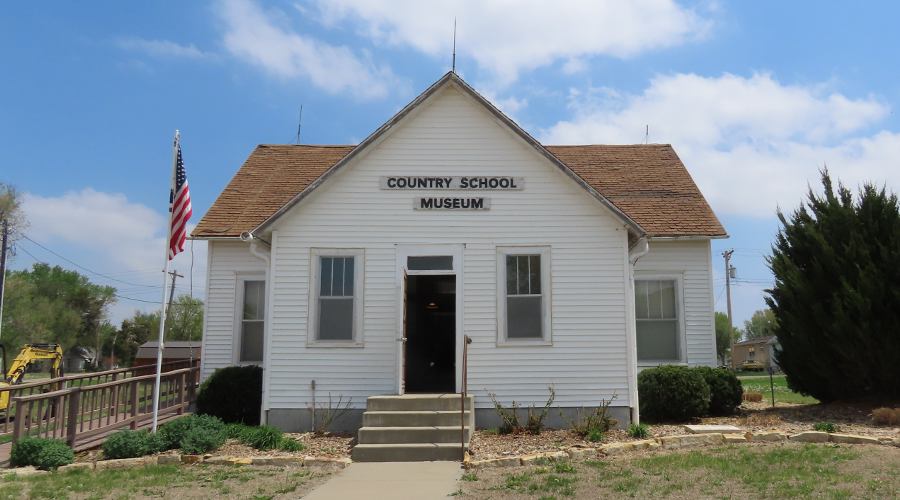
(850, 418)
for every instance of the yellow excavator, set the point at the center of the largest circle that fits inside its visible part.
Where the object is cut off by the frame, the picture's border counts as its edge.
(30, 353)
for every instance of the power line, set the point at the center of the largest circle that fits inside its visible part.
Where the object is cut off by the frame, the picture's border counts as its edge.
(70, 261)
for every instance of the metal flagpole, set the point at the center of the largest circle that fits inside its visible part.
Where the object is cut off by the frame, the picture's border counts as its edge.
(162, 315)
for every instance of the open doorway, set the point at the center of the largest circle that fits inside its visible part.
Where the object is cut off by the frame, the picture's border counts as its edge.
(430, 360)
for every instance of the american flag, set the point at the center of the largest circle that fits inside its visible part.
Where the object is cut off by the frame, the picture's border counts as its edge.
(179, 207)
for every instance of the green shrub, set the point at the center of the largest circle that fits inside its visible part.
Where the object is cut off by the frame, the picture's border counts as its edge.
(199, 440)
(235, 431)
(825, 427)
(641, 431)
(42, 453)
(292, 445)
(675, 393)
(264, 437)
(725, 390)
(130, 444)
(233, 394)
(593, 424)
(172, 434)
(594, 435)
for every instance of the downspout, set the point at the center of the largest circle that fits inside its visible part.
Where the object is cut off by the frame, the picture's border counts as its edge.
(264, 256)
(638, 250)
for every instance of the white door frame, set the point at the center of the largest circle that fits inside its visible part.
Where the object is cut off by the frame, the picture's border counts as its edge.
(405, 251)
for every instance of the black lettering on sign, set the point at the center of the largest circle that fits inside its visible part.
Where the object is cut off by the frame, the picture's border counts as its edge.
(452, 183)
(451, 203)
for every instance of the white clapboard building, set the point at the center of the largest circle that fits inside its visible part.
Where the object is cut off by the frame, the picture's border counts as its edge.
(356, 272)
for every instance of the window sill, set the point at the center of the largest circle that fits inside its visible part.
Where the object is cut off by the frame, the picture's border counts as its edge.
(524, 343)
(655, 363)
(347, 344)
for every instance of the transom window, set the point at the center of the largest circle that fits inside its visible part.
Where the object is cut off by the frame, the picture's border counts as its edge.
(253, 315)
(656, 315)
(524, 301)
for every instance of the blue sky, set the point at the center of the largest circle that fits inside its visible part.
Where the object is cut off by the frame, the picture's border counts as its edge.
(755, 97)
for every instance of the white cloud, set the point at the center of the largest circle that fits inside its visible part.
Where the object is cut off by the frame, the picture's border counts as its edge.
(267, 40)
(751, 143)
(111, 235)
(507, 38)
(162, 48)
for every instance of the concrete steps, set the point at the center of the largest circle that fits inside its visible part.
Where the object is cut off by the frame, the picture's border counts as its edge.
(413, 428)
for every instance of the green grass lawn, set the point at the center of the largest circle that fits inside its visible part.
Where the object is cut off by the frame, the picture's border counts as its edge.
(760, 383)
(167, 481)
(744, 471)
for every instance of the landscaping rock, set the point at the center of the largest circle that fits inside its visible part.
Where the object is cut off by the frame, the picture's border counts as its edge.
(168, 459)
(735, 438)
(616, 448)
(191, 459)
(852, 439)
(768, 436)
(810, 437)
(326, 462)
(495, 462)
(691, 440)
(26, 471)
(581, 452)
(226, 460)
(712, 429)
(124, 463)
(76, 466)
(645, 444)
(280, 461)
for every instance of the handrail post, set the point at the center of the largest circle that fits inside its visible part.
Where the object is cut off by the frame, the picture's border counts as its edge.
(20, 419)
(462, 399)
(134, 403)
(72, 422)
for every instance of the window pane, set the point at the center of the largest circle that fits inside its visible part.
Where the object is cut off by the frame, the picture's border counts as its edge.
(522, 274)
(534, 274)
(667, 295)
(336, 319)
(657, 340)
(640, 299)
(430, 262)
(337, 277)
(510, 274)
(254, 299)
(349, 276)
(523, 318)
(252, 341)
(325, 276)
(654, 300)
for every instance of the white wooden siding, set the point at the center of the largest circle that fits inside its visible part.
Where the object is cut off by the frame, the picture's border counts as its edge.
(451, 135)
(691, 260)
(227, 259)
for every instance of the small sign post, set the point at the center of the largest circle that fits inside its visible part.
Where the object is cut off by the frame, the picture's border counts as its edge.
(772, 383)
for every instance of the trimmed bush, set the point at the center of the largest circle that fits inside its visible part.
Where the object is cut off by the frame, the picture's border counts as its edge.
(675, 393)
(199, 440)
(233, 394)
(752, 396)
(130, 444)
(172, 434)
(886, 416)
(725, 390)
(45, 454)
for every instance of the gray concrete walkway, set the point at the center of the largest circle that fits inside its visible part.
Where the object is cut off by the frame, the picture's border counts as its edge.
(391, 480)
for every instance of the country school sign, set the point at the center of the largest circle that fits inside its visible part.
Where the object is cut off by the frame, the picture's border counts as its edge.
(474, 183)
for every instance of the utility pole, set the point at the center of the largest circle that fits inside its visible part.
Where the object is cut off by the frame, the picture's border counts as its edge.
(174, 275)
(728, 272)
(5, 238)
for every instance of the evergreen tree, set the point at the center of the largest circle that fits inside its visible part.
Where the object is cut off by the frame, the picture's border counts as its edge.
(837, 294)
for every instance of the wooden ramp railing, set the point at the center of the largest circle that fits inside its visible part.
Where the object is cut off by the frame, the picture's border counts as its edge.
(84, 414)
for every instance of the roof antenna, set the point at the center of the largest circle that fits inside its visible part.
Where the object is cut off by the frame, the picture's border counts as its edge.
(299, 124)
(647, 134)
(453, 67)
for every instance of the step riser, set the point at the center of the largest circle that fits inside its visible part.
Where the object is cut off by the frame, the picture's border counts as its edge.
(411, 435)
(400, 454)
(412, 419)
(418, 404)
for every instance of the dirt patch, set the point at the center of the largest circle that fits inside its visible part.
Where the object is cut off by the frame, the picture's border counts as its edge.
(747, 471)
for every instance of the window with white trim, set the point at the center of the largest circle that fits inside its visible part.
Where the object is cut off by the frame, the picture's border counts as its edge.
(252, 320)
(524, 299)
(657, 320)
(336, 303)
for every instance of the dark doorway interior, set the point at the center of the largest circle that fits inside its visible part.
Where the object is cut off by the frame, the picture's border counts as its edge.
(430, 334)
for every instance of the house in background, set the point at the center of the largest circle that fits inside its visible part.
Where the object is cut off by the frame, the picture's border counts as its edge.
(359, 271)
(755, 353)
(173, 350)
